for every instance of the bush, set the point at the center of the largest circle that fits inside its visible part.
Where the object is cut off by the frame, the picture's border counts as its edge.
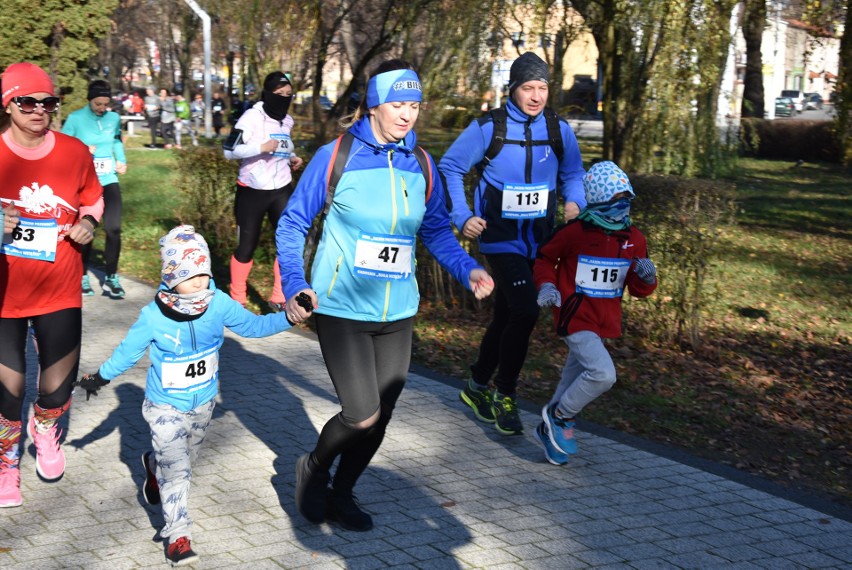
(684, 219)
(456, 118)
(790, 140)
(208, 180)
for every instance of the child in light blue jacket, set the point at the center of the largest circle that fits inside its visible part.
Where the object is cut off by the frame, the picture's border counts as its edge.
(184, 328)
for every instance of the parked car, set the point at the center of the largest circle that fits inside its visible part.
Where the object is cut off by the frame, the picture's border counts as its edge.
(797, 96)
(324, 102)
(813, 101)
(784, 107)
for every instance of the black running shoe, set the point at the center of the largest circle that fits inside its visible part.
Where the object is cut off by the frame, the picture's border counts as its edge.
(479, 401)
(507, 419)
(343, 509)
(113, 287)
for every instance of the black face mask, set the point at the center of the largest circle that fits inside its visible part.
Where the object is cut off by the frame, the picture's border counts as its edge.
(275, 106)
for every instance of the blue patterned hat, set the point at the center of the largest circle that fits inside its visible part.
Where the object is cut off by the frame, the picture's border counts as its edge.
(184, 254)
(603, 181)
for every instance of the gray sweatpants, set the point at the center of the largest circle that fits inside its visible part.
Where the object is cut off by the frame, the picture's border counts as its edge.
(588, 372)
(176, 438)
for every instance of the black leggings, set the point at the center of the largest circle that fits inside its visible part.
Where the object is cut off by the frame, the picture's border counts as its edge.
(57, 340)
(111, 223)
(368, 364)
(250, 205)
(506, 340)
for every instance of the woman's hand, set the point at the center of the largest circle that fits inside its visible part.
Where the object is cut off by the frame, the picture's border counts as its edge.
(82, 232)
(269, 146)
(121, 168)
(481, 283)
(296, 312)
(11, 217)
(473, 227)
(296, 162)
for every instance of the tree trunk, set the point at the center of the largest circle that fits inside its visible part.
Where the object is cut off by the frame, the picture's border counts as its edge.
(754, 21)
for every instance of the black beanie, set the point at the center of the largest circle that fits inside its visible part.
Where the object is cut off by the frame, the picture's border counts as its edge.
(275, 80)
(98, 88)
(528, 67)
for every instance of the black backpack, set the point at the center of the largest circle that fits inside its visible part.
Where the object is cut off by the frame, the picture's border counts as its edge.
(499, 117)
(336, 164)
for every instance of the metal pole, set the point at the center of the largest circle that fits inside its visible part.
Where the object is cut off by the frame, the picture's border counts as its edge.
(208, 95)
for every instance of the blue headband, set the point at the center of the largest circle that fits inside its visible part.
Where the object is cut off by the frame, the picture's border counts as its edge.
(396, 85)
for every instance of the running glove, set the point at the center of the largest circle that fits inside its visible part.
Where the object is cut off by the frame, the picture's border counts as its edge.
(549, 295)
(91, 383)
(645, 269)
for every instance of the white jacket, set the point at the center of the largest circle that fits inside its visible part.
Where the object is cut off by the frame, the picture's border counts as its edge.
(259, 170)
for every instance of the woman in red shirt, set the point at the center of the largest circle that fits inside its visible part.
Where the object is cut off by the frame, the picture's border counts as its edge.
(50, 180)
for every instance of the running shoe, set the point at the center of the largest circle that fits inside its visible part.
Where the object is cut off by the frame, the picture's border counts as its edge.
(87, 287)
(343, 509)
(506, 417)
(113, 287)
(10, 485)
(552, 454)
(479, 401)
(560, 431)
(180, 553)
(50, 459)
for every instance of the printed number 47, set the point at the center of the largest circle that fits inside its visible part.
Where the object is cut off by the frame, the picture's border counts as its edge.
(388, 254)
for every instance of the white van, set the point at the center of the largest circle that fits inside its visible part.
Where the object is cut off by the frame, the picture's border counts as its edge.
(797, 96)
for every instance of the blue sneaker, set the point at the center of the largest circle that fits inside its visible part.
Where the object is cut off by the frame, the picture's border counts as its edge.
(552, 454)
(87, 287)
(559, 431)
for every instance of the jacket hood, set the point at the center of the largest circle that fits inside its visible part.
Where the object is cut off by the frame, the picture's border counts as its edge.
(364, 133)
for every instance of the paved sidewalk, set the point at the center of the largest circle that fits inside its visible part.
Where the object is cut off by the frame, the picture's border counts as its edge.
(446, 491)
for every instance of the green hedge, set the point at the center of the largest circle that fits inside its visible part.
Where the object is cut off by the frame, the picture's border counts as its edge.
(782, 139)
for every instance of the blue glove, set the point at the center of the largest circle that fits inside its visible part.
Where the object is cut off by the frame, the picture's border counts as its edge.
(549, 295)
(91, 383)
(645, 269)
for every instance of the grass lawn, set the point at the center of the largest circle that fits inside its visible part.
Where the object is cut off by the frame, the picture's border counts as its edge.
(769, 391)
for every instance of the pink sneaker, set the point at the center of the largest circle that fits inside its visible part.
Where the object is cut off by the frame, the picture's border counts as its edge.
(10, 486)
(50, 459)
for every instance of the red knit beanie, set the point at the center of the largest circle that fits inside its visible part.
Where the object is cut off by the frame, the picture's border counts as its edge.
(24, 79)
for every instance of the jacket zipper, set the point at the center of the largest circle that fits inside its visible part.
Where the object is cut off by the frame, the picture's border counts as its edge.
(527, 224)
(395, 214)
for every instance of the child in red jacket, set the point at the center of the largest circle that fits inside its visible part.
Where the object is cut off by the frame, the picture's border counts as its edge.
(582, 271)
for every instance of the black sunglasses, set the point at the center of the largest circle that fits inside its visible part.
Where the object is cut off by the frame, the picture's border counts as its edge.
(27, 105)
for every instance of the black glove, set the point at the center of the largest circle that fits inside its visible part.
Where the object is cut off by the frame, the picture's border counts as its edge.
(91, 383)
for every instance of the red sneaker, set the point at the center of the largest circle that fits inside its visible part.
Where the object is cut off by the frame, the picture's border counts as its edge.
(180, 552)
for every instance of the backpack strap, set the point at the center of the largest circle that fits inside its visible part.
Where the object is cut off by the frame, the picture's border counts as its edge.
(499, 117)
(554, 133)
(339, 156)
(426, 167)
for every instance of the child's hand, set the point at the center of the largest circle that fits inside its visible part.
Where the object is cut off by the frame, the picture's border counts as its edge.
(91, 383)
(645, 269)
(549, 295)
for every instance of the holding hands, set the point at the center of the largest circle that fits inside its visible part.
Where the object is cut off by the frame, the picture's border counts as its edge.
(91, 383)
(301, 306)
(549, 296)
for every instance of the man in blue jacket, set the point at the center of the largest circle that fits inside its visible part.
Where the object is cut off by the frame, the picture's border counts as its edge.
(526, 156)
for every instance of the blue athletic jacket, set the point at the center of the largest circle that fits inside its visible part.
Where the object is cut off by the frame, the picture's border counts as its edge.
(185, 353)
(104, 133)
(379, 208)
(521, 167)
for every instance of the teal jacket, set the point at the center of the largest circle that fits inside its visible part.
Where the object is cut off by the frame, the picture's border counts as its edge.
(365, 267)
(104, 133)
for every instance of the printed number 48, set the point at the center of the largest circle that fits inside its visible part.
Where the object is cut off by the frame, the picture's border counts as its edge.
(196, 369)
